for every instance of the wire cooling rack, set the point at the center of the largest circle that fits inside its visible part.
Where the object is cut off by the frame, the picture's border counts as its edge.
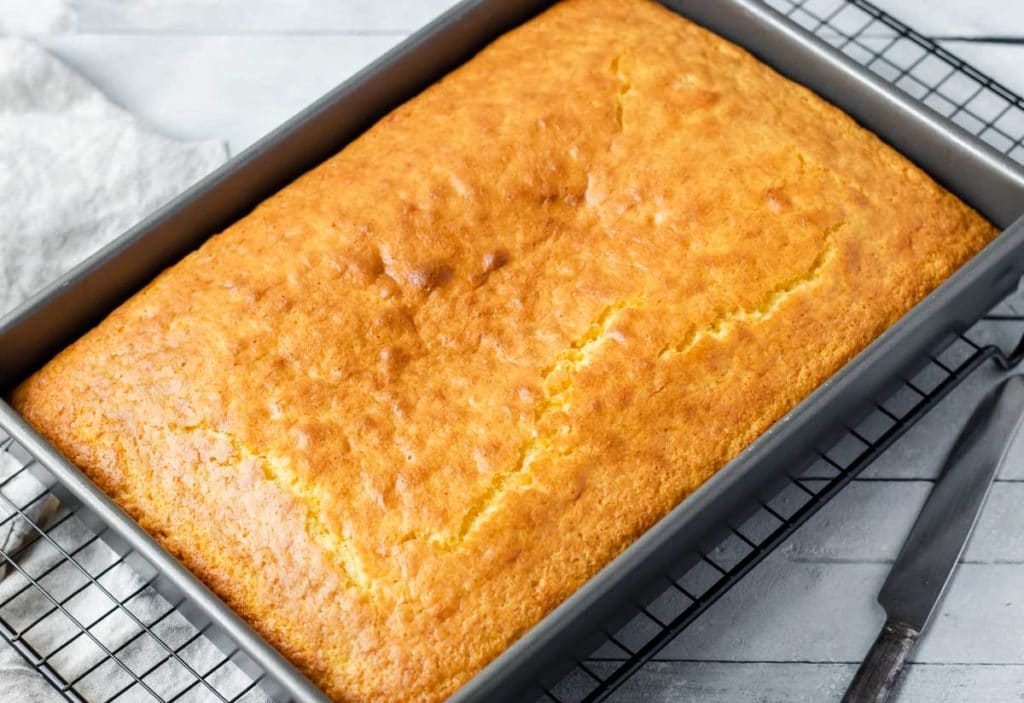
(99, 632)
(84, 617)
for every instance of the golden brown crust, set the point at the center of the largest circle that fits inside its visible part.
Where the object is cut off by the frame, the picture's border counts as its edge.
(417, 398)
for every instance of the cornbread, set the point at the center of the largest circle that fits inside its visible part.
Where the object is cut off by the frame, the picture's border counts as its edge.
(414, 400)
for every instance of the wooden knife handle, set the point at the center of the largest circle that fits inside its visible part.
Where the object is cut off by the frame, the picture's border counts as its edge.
(877, 676)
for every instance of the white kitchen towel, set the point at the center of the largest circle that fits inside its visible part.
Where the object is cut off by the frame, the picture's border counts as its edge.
(35, 17)
(75, 171)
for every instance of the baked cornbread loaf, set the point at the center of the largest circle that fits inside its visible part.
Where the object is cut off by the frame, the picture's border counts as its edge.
(414, 400)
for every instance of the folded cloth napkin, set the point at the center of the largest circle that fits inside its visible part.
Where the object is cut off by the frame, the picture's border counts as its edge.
(75, 171)
(26, 17)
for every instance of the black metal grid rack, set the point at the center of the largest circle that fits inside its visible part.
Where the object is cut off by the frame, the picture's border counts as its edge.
(98, 632)
(85, 619)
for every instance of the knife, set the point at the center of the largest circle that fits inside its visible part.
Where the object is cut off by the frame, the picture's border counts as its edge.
(925, 564)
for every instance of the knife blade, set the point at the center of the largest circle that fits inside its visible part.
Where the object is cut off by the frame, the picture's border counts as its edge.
(929, 556)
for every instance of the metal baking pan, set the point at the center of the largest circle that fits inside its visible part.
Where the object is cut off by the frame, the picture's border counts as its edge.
(971, 169)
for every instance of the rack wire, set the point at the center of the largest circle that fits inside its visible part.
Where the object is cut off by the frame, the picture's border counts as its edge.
(99, 632)
(83, 617)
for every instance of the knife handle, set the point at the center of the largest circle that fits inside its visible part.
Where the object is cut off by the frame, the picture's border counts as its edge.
(877, 676)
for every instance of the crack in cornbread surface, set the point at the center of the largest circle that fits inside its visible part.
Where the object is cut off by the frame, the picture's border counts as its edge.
(414, 400)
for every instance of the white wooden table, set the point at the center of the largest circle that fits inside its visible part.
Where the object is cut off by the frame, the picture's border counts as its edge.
(795, 628)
